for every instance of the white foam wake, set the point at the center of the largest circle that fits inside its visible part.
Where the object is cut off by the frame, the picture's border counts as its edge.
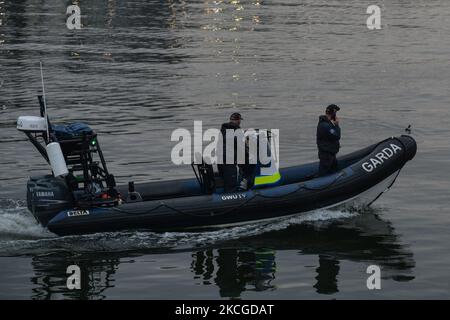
(20, 234)
(17, 223)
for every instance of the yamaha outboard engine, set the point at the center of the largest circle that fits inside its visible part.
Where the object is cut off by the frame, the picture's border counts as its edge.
(78, 180)
(46, 196)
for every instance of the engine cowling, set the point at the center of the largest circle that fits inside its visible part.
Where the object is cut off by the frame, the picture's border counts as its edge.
(46, 196)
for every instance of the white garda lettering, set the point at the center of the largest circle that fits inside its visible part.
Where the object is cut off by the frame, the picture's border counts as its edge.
(395, 147)
(367, 166)
(375, 162)
(388, 152)
(381, 157)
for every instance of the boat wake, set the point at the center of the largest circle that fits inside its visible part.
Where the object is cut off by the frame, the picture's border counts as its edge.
(17, 223)
(20, 234)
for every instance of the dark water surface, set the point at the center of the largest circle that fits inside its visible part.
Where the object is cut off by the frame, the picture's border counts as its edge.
(139, 69)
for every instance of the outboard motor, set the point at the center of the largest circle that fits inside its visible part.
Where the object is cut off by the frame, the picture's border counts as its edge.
(78, 180)
(46, 196)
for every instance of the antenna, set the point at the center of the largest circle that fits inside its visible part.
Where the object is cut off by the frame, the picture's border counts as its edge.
(45, 102)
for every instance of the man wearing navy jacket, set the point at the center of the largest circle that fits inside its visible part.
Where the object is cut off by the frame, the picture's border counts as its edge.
(328, 136)
(229, 170)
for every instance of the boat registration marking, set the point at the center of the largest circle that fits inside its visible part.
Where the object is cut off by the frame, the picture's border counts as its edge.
(235, 196)
(77, 213)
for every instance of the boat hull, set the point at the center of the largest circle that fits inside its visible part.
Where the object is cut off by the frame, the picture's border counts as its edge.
(362, 178)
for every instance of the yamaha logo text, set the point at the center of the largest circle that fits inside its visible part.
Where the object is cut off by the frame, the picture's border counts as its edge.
(42, 194)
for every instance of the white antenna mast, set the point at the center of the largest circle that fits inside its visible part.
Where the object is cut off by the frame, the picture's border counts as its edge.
(45, 102)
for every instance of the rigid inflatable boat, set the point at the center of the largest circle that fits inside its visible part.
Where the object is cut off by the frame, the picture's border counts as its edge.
(81, 196)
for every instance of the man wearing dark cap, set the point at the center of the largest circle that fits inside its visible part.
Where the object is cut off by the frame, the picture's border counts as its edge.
(236, 118)
(328, 136)
(229, 170)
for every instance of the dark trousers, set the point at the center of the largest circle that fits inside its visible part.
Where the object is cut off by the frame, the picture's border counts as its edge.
(230, 177)
(328, 163)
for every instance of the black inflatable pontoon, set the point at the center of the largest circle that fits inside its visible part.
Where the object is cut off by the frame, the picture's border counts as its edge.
(91, 202)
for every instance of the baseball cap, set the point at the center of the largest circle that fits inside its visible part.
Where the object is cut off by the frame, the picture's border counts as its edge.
(332, 108)
(236, 116)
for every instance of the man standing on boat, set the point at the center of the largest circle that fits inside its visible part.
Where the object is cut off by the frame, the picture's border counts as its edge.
(328, 136)
(229, 171)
